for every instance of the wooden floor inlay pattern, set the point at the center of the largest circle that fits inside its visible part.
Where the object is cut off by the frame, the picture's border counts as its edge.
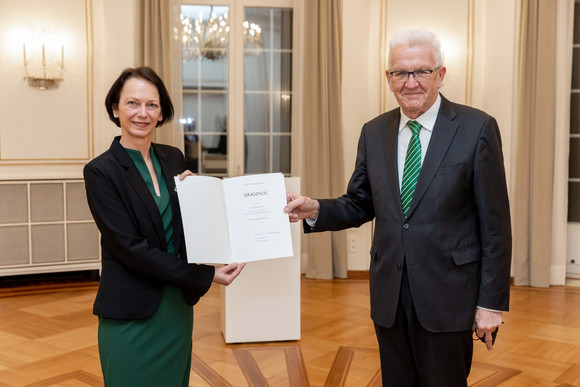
(341, 367)
(255, 360)
(491, 375)
(206, 373)
(48, 338)
(77, 378)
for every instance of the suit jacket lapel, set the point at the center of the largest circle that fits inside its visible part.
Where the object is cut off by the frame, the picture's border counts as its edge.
(441, 138)
(391, 163)
(136, 180)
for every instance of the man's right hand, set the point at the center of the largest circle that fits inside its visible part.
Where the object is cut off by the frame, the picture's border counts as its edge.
(300, 207)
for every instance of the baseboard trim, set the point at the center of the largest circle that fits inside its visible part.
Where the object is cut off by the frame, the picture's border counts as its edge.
(357, 274)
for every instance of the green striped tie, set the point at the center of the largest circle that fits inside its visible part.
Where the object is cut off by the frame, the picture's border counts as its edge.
(412, 166)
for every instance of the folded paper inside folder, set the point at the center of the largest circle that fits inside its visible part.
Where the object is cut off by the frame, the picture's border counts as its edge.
(239, 219)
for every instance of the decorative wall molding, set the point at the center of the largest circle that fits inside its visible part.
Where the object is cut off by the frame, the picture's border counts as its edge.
(54, 126)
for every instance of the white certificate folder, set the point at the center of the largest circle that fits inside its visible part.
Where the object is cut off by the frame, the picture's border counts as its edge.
(238, 219)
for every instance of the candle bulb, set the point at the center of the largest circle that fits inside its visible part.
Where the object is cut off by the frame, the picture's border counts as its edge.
(43, 63)
(24, 52)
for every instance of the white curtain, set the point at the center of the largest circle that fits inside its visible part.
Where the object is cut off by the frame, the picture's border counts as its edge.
(532, 210)
(324, 174)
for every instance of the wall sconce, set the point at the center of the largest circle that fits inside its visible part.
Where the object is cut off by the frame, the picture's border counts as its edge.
(42, 68)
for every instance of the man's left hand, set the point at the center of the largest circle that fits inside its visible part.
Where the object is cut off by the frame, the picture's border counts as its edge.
(487, 321)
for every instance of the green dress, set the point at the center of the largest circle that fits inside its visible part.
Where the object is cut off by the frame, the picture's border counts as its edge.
(155, 351)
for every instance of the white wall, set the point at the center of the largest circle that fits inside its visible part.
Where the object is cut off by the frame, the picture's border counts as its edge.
(37, 127)
(51, 134)
(115, 45)
(495, 68)
(360, 73)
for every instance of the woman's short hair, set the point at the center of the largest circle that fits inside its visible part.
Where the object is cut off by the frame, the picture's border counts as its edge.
(147, 73)
(414, 37)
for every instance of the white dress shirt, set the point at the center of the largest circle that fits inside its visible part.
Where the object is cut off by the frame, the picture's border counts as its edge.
(427, 121)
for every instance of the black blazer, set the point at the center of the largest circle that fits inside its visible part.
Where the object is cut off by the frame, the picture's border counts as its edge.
(135, 264)
(456, 239)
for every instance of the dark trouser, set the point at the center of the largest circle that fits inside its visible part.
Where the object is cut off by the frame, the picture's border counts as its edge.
(414, 357)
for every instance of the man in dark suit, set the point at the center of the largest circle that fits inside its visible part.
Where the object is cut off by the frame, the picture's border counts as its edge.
(431, 175)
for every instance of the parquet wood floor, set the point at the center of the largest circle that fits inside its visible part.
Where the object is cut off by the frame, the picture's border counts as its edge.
(48, 337)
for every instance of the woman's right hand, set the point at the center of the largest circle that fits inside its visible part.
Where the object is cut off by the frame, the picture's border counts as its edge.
(225, 275)
(184, 174)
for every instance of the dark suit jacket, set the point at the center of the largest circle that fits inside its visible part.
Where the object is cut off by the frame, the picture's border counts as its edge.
(456, 239)
(135, 264)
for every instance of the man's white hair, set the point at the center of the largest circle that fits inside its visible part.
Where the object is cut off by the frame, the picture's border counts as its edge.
(414, 37)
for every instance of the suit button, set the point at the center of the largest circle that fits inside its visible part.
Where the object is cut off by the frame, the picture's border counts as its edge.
(406, 226)
(399, 267)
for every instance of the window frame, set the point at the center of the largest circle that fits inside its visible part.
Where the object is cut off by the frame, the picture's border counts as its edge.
(235, 98)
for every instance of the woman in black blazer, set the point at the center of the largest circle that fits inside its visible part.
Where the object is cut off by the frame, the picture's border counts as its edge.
(147, 288)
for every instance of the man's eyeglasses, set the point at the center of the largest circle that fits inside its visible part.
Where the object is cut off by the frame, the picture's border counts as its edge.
(400, 75)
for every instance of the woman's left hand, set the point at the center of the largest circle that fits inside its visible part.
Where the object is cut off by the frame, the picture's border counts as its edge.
(224, 275)
(184, 174)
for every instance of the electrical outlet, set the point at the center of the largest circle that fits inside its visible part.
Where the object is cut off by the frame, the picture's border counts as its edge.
(353, 244)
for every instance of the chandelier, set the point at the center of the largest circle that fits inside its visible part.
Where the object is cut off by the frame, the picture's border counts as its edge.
(209, 38)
